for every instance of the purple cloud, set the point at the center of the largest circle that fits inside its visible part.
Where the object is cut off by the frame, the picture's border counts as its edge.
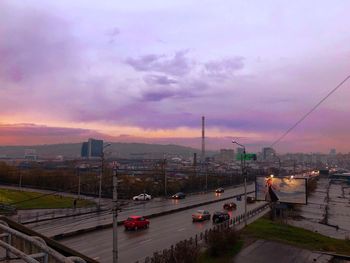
(112, 34)
(159, 80)
(30, 129)
(225, 67)
(33, 44)
(158, 95)
(177, 65)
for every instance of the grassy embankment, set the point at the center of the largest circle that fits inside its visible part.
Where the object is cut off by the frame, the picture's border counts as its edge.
(299, 237)
(38, 200)
(266, 229)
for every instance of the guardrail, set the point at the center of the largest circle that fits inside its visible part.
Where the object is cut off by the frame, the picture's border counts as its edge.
(38, 216)
(201, 238)
(28, 248)
(7, 209)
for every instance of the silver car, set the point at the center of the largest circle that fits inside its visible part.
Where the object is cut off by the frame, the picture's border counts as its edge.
(201, 215)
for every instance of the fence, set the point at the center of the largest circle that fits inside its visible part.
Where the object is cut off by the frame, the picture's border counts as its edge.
(38, 216)
(17, 245)
(200, 239)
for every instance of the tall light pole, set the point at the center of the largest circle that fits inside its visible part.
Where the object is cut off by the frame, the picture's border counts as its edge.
(244, 173)
(78, 174)
(102, 166)
(279, 164)
(115, 214)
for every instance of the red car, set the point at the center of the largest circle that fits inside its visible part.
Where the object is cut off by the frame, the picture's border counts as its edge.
(136, 222)
(230, 206)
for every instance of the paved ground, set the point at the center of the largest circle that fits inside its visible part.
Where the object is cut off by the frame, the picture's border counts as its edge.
(338, 205)
(262, 251)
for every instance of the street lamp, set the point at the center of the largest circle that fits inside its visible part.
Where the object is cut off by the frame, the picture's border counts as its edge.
(102, 166)
(244, 173)
(279, 164)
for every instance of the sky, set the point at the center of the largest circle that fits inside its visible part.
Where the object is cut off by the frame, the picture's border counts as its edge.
(146, 71)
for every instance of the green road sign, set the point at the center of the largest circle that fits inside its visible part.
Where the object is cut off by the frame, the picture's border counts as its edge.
(247, 156)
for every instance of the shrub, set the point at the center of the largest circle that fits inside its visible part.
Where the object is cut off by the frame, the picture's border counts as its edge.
(221, 241)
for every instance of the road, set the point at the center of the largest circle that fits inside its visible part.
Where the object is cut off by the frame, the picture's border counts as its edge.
(164, 231)
(66, 225)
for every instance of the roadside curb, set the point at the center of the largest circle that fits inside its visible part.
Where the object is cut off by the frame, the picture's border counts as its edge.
(109, 225)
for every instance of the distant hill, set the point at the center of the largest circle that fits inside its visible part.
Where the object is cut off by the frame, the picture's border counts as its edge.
(120, 150)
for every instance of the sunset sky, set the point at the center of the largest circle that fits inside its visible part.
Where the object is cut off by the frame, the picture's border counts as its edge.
(146, 71)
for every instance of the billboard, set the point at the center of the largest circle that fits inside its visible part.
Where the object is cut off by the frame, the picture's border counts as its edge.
(281, 189)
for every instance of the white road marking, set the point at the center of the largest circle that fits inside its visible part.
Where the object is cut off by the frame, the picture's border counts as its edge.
(181, 229)
(145, 241)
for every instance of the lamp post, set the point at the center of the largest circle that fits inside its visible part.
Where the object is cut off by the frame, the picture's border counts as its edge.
(244, 173)
(102, 166)
(279, 165)
(115, 214)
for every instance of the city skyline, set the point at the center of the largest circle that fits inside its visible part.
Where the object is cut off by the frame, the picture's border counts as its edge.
(147, 72)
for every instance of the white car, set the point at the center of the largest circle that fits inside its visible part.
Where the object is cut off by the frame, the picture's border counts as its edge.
(142, 197)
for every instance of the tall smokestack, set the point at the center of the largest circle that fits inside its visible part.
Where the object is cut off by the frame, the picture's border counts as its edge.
(203, 140)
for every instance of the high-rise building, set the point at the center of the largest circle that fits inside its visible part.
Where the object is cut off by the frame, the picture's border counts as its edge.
(268, 154)
(92, 148)
(333, 152)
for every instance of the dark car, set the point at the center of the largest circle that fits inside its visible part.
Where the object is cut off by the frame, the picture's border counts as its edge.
(230, 206)
(219, 190)
(136, 222)
(220, 216)
(179, 195)
(250, 199)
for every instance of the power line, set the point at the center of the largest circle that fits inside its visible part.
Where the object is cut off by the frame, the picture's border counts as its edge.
(310, 111)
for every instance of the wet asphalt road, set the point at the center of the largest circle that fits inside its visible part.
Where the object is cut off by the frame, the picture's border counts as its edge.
(164, 231)
(66, 225)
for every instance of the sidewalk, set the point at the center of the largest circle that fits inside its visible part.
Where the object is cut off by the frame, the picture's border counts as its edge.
(263, 251)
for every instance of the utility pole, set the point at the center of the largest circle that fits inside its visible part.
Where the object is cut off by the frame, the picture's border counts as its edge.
(206, 175)
(20, 179)
(165, 178)
(115, 214)
(78, 174)
(294, 169)
(245, 188)
(244, 173)
(100, 184)
(102, 169)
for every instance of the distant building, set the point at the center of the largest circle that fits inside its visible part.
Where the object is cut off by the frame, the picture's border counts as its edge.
(333, 152)
(227, 155)
(92, 148)
(30, 154)
(268, 154)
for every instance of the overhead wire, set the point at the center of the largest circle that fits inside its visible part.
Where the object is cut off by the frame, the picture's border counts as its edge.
(310, 111)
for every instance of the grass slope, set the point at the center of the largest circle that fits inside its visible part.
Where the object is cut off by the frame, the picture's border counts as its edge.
(37, 200)
(299, 237)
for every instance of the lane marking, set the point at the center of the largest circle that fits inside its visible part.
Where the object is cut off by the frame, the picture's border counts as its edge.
(145, 241)
(181, 229)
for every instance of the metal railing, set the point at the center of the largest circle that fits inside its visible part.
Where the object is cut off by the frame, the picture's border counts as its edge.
(39, 216)
(18, 245)
(202, 238)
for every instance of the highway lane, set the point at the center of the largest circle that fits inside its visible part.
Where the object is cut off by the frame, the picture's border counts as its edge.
(66, 225)
(164, 231)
